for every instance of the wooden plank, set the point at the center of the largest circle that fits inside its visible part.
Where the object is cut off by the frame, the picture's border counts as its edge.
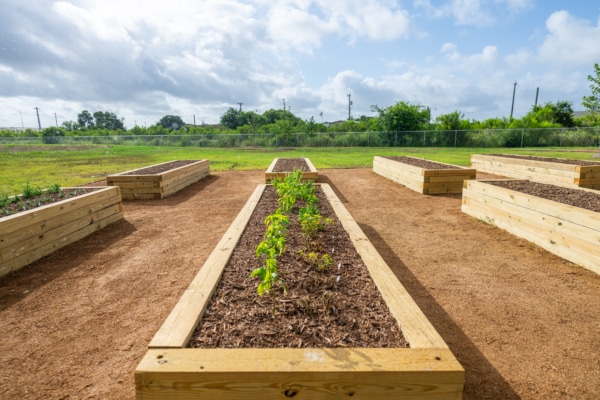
(311, 175)
(32, 242)
(525, 162)
(565, 212)
(49, 248)
(38, 215)
(569, 232)
(422, 180)
(300, 373)
(179, 325)
(571, 251)
(37, 228)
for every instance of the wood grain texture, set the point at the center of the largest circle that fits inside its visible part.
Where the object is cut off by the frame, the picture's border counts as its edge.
(569, 232)
(421, 180)
(311, 175)
(556, 173)
(158, 186)
(28, 236)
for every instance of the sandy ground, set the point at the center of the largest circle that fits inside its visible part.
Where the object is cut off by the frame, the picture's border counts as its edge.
(523, 322)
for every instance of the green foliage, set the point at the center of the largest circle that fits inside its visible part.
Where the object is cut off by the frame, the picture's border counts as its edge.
(171, 122)
(592, 102)
(402, 116)
(30, 192)
(50, 135)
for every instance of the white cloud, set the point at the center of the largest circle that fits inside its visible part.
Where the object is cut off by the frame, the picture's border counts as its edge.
(570, 41)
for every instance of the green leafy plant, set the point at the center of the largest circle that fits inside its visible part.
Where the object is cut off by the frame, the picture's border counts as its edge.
(29, 192)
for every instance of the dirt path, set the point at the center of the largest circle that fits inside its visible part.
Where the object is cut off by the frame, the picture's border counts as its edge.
(523, 323)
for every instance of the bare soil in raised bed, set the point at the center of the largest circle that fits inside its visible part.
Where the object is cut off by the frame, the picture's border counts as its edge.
(290, 164)
(547, 159)
(421, 163)
(523, 323)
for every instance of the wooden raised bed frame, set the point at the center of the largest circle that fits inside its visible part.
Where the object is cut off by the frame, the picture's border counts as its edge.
(311, 174)
(555, 173)
(421, 180)
(426, 370)
(570, 232)
(157, 186)
(30, 235)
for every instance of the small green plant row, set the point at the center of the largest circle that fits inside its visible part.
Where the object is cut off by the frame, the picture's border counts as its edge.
(30, 197)
(289, 190)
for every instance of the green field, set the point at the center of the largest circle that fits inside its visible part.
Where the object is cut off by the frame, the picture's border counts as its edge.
(44, 165)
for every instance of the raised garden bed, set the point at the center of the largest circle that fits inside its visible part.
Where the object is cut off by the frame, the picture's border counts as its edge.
(423, 176)
(556, 171)
(160, 180)
(566, 222)
(170, 368)
(30, 235)
(280, 167)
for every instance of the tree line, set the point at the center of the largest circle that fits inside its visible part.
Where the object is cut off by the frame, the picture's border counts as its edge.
(400, 117)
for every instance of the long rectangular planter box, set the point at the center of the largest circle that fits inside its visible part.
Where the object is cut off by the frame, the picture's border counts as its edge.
(425, 181)
(311, 174)
(572, 233)
(156, 186)
(556, 173)
(30, 235)
(426, 370)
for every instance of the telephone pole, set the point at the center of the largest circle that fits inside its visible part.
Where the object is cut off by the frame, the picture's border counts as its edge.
(513, 101)
(349, 106)
(283, 104)
(537, 93)
(56, 119)
(37, 112)
(240, 106)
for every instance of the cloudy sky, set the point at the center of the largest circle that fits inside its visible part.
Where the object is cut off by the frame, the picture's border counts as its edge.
(143, 59)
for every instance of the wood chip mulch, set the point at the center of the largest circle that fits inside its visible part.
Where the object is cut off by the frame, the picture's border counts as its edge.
(418, 162)
(290, 164)
(158, 169)
(573, 197)
(548, 159)
(340, 307)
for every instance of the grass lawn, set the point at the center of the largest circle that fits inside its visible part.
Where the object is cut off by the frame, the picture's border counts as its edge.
(44, 165)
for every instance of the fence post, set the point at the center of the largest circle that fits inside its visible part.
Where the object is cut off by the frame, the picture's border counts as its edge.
(522, 134)
(455, 135)
(423, 138)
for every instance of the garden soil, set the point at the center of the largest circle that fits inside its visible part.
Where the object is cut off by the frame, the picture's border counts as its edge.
(523, 322)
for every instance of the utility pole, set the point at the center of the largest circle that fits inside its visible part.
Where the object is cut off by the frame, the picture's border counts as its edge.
(240, 106)
(194, 120)
(22, 124)
(56, 119)
(513, 101)
(283, 104)
(38, 117)
(537, 92)
(349, 106)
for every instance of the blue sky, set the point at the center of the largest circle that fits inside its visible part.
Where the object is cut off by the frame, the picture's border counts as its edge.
(146, 59)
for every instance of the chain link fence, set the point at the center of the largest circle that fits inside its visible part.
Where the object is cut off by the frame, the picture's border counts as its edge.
(561, 137)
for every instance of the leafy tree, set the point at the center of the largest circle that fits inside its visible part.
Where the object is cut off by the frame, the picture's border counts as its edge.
(50, 135)
(231, 118)
(402, 116)
(70, 125)
(450, 122)
(85, 119)
(107, 120)
(171, 122)
(592, 102)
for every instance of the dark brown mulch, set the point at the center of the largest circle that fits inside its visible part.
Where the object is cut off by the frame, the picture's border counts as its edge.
(340, 307)
(157, 169)
(290, 164)
(548, 159)
(573, 197)
(419, 162)
(23, 204)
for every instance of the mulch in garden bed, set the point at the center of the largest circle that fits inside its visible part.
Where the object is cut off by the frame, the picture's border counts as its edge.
(21, 204)
(290, 164)
(158, 169)
(547, 159)
(340, 307)
(421, 163)
(573, 197)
